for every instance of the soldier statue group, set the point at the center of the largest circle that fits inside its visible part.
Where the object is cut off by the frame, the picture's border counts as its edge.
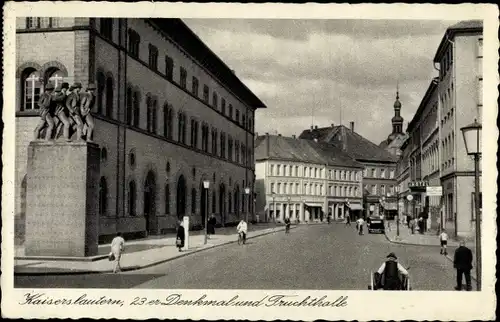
(67, 108)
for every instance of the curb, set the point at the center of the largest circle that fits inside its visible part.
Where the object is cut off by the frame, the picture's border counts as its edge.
(137, 267)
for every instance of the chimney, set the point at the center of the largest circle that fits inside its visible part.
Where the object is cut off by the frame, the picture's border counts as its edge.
(332, 125)
(279, 134)
(315, 127)
(311, 128)
(267, 144)
(352, 126)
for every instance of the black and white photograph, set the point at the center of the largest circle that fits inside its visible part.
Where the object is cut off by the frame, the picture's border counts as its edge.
(293, 162)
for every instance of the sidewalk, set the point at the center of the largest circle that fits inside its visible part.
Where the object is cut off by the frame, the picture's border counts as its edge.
(427, 239)
(139, 253)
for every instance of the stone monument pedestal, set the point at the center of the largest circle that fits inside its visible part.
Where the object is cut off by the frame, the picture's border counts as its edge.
(62, 202)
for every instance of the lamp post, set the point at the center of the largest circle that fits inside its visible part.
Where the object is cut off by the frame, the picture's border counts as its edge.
(206, 185)
(288, 208)
(247, 193)
(472, 140)
(396, 189)
(274, 207)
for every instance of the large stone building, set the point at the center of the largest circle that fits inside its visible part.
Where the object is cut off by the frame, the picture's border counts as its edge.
(169, 114)
(379, 176)
(435, 154)
(305, 180)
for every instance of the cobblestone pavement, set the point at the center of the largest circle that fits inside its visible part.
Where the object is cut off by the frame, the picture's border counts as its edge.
(310, 257)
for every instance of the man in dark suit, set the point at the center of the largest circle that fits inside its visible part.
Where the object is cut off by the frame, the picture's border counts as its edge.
(462, 262)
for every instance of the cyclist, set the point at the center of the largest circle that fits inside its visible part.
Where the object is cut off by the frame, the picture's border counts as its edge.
(242, 229)
(287, 225)
(389, 273)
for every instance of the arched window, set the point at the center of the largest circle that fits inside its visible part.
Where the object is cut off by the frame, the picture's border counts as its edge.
(54, 76)
(213, 200)
(149, 114)
(136, 107)
(193, 201)
(129, 106)
(103, 196)
(167, 199)
(167, 121)
(101, 84)
(32, 85)
(109, 97)
(132, 196)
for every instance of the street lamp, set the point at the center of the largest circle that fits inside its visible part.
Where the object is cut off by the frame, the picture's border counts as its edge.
(472, 140)
(289, 208)
(274, 207)
(247, 193)
(206, 185)
(396, 189)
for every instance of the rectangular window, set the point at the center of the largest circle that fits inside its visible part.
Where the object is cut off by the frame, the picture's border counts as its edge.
(382, 189)
(169, 68)
(272, 188)
(238, 116)
(391, 174)
(134, 41)
(473, 204)
(374, 173)
(223, 145)
(206, 93)
(194, 86)
(153, 57)
(271, 169)
(374, 189)
(223, 106)
(215, 100)
(230, 111)
(382, 173)
(183, 77)
(106, 28)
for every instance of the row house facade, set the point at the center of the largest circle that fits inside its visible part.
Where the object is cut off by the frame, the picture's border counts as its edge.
(436, 152)
(304, 180)
(169, 114)
(379, 166)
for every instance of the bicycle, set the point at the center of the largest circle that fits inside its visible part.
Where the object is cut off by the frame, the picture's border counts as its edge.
(241, 238)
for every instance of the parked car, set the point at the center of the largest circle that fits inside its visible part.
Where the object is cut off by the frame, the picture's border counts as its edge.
(375, 224)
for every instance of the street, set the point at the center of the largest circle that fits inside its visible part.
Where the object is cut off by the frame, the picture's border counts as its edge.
(310, 257)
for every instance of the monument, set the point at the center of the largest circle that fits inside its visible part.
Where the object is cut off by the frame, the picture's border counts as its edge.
(62, 201)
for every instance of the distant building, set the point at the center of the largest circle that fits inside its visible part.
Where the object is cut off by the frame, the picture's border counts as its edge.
(305, 180)
(397, 137)
(169, 114)
(379, 176)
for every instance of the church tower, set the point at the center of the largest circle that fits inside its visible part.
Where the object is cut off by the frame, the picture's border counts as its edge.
(397, 119)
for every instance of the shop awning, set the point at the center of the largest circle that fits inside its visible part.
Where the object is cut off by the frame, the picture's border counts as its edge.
(390, 206)
(355, 206)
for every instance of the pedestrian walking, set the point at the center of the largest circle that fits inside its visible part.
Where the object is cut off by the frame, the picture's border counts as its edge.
(462, 262)
(443, 238)
(181, 236)
(412, 226)
(211, 225)
(360, 222)
(348, 220)
(117, 248)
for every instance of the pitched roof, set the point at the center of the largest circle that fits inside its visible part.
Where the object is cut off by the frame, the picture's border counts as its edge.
(291, 149)
(180, 33)
(466, 26)
(351, 143)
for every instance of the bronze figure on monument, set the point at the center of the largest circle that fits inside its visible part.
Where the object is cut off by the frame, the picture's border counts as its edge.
(72, 104)
(46, 114)
(87, 103)
(61, 112)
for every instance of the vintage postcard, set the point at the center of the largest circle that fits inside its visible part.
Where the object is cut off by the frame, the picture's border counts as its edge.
(249, 161)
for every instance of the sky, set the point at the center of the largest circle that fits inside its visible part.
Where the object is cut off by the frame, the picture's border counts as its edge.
(323, 72)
